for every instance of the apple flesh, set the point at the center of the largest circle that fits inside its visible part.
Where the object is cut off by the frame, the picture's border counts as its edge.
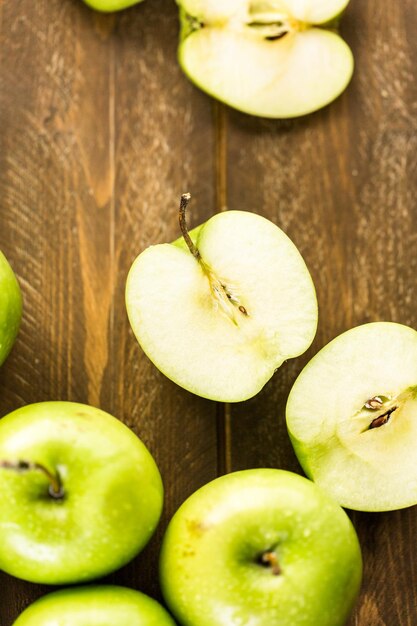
(80, 493)
(352, 417)
(95, 606)
(260, 547)
(10, 308)
(272, 59)
(220, 314)
(109, 6)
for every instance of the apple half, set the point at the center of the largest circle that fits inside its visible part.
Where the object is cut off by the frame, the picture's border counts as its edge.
(272, 58)
(10, 308)
(221, 309)
(352, 417)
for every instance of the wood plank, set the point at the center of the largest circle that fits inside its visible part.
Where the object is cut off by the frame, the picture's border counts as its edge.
(164, 146)
(98, 137)
(341, 183)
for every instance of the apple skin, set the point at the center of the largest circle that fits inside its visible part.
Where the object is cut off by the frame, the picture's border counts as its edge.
(112, 499)
(10, 308)
(95, 606)
(109, 6)
(210, 562)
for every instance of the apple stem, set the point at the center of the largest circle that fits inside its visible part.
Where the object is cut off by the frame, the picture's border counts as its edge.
(185, 200)
(270, 559)
(55, 487)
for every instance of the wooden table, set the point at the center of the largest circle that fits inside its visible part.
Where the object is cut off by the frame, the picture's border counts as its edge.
(100, 133)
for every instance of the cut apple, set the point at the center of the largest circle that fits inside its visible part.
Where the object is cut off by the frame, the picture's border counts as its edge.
(221, 310)
(352, 417)
(271, 58)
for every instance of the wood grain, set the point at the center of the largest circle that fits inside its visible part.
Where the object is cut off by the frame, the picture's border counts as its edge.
(99, 135)
(341, 183)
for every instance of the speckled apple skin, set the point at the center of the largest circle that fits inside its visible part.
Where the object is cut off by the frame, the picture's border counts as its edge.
(10, 308)
(112, 494)
(210, 562)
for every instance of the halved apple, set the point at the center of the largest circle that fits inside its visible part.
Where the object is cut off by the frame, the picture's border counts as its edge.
(352, 417)
(272, 58)
(219, 311)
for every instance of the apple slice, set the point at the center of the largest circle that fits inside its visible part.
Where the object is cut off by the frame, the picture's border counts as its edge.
(218, 315)
(260, 547)
(352, 417)
(272, 58)
(10, 307)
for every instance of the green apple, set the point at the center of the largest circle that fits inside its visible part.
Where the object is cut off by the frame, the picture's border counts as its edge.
(95, 606)
(260, 547)
(80, 495)
(108, 6)
(273, 58)
(221, 309)
(352, 417)
(10, 307)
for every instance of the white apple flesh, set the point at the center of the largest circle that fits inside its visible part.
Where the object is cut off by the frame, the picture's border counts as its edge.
(219, 325)
(272, 59)
(352, 417)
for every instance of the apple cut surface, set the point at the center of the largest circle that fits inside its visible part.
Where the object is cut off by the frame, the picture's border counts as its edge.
(352, 417)
(103, 605)
(307, 11)
(260, 548)
(264, 58)
(223, 348)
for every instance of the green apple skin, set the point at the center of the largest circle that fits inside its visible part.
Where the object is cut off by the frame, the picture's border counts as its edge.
(210, 561)
(10, 308)
(364, 468)
(109, 6)
(95, 606)
(112, 494)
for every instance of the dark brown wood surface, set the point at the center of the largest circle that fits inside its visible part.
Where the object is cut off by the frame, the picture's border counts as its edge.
(99, 134)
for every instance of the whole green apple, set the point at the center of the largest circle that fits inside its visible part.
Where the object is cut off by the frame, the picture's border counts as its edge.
(80, 493)
(95, 606)
(260, 547)
(221, 309)
(108, 6)
(10, 307)
(352, 417)
(273, 59)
